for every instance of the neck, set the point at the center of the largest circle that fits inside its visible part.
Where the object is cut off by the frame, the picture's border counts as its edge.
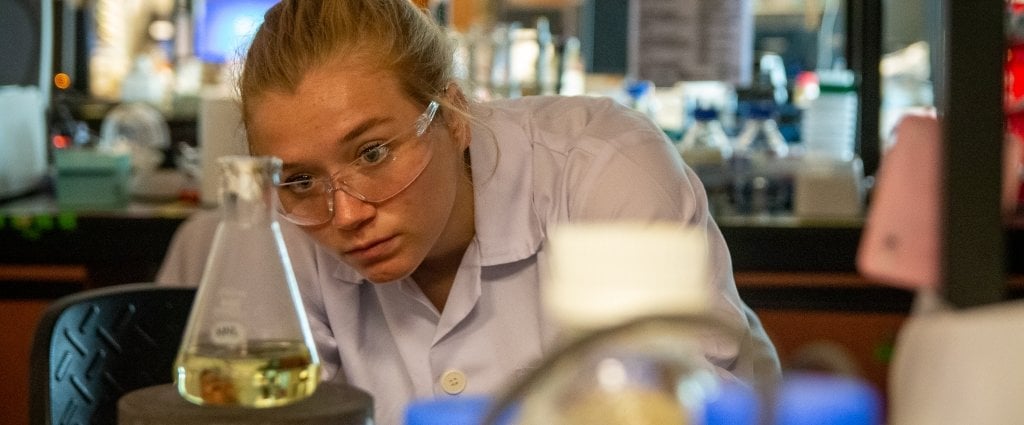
(436, 275)
(436, 283)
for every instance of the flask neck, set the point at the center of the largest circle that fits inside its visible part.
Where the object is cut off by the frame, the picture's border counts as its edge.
(247, 189)
(707, 134)
(761, 135)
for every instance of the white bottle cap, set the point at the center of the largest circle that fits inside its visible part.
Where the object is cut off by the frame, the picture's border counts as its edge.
(602, 274)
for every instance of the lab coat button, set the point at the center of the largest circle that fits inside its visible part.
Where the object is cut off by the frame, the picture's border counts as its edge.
(453, 381)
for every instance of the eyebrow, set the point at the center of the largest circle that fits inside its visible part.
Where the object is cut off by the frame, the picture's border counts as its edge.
(363, 127)
(352, 135)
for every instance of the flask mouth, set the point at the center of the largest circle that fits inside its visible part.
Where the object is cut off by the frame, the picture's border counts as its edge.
(248, 176)
(247, 180)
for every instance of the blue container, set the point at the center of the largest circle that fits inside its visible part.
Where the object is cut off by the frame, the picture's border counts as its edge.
(811, 399)
(735, 404)
(461, 410)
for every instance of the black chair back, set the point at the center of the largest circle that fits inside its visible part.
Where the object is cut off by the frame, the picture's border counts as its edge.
(92, 347)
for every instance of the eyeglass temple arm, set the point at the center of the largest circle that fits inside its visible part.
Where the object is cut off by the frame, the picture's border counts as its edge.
(426, 118)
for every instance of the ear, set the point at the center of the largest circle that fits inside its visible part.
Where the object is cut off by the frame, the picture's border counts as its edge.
(456, 117)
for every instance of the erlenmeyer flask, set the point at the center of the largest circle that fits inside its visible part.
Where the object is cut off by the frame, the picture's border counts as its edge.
(248, 341)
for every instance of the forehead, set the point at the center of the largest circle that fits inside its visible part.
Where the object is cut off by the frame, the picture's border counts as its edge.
(327, 101)
(337, 86)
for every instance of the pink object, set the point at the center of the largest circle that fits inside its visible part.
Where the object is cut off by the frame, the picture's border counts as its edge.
(900, 242)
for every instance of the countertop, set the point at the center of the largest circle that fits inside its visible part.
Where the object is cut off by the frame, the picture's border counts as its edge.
(779, 262)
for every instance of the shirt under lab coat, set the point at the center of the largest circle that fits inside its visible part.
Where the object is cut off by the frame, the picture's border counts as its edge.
(536, 161)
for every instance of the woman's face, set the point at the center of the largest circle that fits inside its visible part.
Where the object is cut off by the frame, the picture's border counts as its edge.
(337, 111)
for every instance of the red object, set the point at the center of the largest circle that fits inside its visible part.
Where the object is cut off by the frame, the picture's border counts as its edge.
(61, 141)
(1013, 77)
(1013, 81)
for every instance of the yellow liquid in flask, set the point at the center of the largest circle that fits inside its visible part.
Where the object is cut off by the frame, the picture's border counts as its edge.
(266, 374)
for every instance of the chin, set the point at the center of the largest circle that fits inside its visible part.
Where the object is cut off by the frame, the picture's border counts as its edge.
(383, 273)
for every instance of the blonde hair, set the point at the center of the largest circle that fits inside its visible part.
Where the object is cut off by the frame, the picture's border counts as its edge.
(388, 35)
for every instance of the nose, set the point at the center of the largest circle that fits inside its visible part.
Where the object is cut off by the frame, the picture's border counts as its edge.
(349, 211)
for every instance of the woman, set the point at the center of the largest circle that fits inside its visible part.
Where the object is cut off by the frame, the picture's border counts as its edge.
(424, 214)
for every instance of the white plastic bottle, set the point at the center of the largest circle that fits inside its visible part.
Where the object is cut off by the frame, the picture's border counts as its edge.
(828, 127)
(829, 181)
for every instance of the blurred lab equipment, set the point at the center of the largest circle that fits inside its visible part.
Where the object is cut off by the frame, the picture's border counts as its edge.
(640, 97)
(829, 188)
(141, 130)
(705, 148)
(23, 164)
(762, 171)
(942, 355)
(145, 83)
(829, 180)
(220, 133)
(632, 317)
(692, 40)
(573, 72)
(1013, 89)
(247, 342)
(92, 178)
(829, 123)
(27, 51)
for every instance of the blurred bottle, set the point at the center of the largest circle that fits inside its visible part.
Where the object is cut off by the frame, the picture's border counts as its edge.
(706, 149)
(762, 174)
(640, 97)
(144, 83)
(247, 342)
(503, 82)
(632, 352)
(573, 74)
(760, 134)
(441, 11)
(547, 59)
(828, 127)
(828, 182)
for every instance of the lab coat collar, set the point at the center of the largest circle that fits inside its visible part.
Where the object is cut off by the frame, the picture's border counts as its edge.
(507, 225)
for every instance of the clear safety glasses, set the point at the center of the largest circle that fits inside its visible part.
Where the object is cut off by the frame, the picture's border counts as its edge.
(381, 171)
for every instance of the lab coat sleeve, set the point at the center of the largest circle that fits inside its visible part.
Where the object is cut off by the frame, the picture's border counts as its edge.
(190, 246)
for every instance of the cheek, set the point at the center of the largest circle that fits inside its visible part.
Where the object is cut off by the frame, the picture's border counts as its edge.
(433, 194)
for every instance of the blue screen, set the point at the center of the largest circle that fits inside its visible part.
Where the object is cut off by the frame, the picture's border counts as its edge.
(224, 28)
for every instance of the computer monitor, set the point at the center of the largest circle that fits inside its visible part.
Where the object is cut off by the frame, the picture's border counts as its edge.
(224, 28)
(26, 28)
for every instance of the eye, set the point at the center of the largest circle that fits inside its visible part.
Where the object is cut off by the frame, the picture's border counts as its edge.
(299, 184)
(374, 154)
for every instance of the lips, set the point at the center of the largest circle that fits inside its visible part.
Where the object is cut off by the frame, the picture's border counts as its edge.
(372, 251)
